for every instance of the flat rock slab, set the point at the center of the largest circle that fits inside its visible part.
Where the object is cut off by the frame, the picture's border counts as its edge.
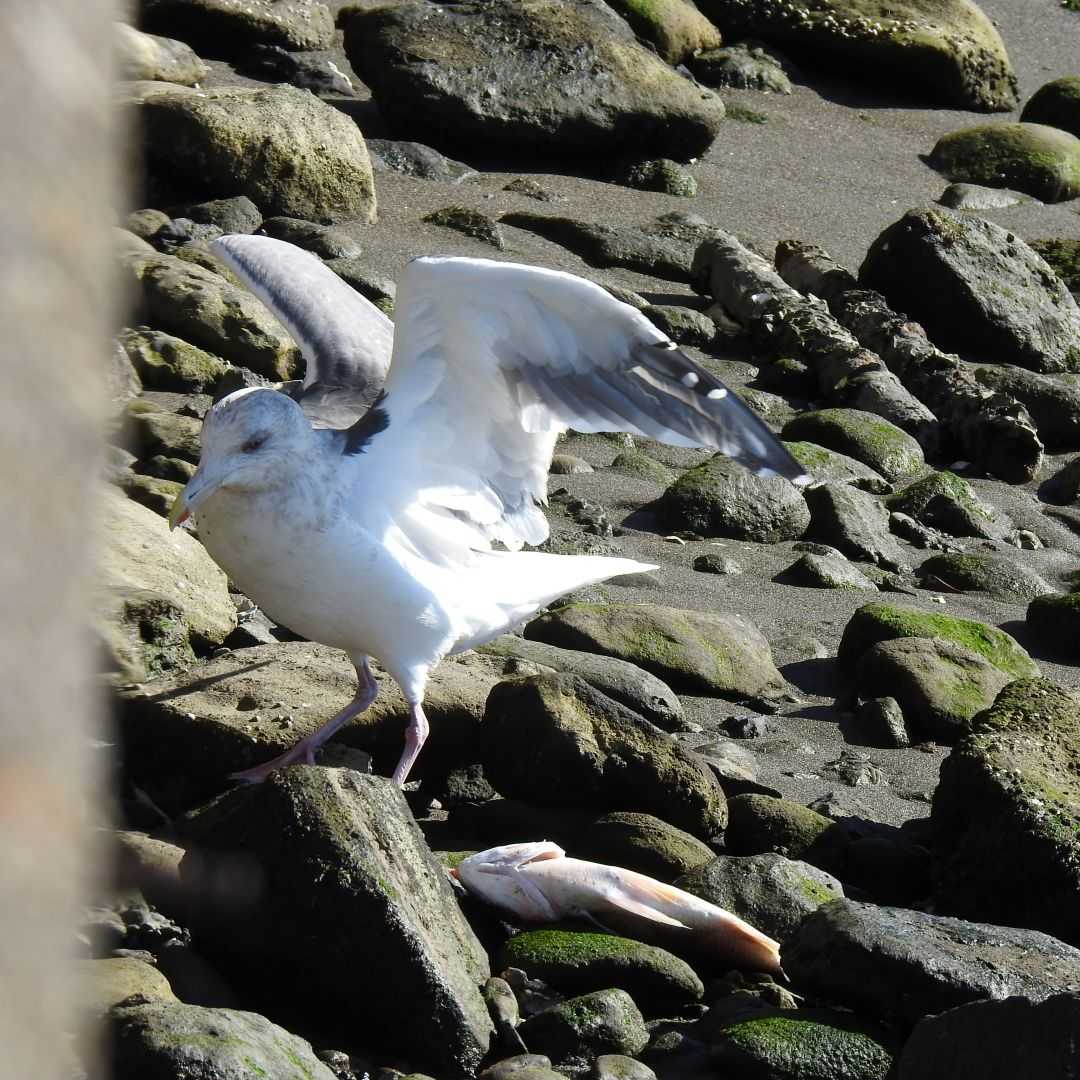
(889, 961)
(565, 77)
(1008, 805)
(368, 936)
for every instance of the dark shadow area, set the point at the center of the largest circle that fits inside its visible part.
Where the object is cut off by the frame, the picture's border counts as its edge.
(821, 713)
(820, 677)
(1037, 647)
(203, 684)
(686, 299)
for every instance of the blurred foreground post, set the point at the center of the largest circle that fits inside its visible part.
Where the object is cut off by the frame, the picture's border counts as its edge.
(57, 166)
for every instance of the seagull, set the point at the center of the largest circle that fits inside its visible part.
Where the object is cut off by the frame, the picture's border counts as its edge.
(382, 508)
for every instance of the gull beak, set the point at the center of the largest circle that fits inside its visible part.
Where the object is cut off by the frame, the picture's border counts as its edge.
(179, 512)
(198, 489)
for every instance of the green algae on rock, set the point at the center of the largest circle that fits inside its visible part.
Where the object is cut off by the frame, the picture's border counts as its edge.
(915, 497)
(761, 823)
(575, 1031)
(637, 463)
(165, 362)
(643, 843)
(885, 622)
(832, 466)
(1056, 104)
(1062, 254)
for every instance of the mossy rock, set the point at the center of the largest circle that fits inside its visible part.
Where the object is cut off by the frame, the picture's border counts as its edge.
(833, 467)
(885, 622)
(1056, 104)
(150, 491)
(577, 963)
(637, 463)
(915, 497)
(468, 222)
(761, 823)
(676, 27)
(108, 982)
(1055, 619)
(659, 174)
(1036, 159)
(1000, 577)
(1063, 256)
(577, 1030)
(165, 362)
(868, 438)
(643, 843)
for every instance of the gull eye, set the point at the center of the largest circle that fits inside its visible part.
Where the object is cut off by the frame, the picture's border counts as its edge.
(255, 443)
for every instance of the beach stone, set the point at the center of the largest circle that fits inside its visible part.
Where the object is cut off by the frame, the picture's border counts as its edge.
(556, 741)
(871, 439)
(1053, 403)
(1055, 620)
(995, 1040)
(881, 723)
(720, 497)
(1062, 253)
(683, 325)
(580, 1029)
(643, 843)
(165, 362)
(760, 824)
(166, 1040)
(1064, 486)
(943, 500)
(416, 159)
(618, 679)
(147, 56)
(153, 431)
(621, 1067)
(885, 622)
(1008, 808)
(939, 684)
(202, 308)
(1000, 577)
(741, 66)
(978, 197)
(693, 651)
(282, 147)
(468, 222)
(387, 906)
(977, 288)
(769, 891)
(568, 465)
(522, 1067)
(567, 77)
(812, 1044)
(145, 224)
(163, 595)
(854, 522)
(675, 27)
(237, 214)
(108, 982)
(154, 494)
(658, 174)
(326, 241)
(228, 27)
(577, 963)
(895, 962)
(827, 572)
(833, 467)
(713, 563)
(637, 462)
(1056, 104)
(310, 71)
(734, 766)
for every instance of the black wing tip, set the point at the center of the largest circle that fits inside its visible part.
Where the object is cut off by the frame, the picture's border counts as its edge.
(375, 420)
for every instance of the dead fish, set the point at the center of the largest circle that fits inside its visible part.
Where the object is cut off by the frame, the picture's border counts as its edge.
(536, 882)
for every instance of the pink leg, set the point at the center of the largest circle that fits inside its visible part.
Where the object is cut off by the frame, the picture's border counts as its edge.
(304, 750)
(415, 736)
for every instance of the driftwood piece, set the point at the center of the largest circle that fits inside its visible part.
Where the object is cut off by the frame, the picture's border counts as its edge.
(790, 324)
(993, 430)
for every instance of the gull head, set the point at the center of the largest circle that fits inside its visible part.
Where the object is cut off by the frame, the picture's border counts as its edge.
(252, 441)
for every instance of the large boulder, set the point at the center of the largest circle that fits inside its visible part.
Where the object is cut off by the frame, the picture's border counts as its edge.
(1052, 401)
(977, 288)
(694, 651)
(947, 50)
(282, 147)
(854, 522)
(676, 27)
(1008, 808)
(1056, 104)
(367, 935)
(945, 501)
(998, 576)
(555, 76)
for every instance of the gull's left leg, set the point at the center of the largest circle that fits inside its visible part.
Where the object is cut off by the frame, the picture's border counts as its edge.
(415, 736)
(304, 750)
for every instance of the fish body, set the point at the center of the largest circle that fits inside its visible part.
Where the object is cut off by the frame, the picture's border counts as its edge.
(537, 882)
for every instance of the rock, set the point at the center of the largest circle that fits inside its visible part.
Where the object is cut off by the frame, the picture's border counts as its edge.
(695, 651)
(145, 224)
(1063, 256)
(734, 766)
(641, 842)
(769, 891)
(742, 67)
(890, 961)
(833, 467)
(977, 288)
(469, 223)
(637, 463)
(561, 77)
(885, 622)
(576, 963)
(812, 1044)
(416, 159)
(167, 468)
(712, 563)
(676, 27)
(949, 54)
(827, 572)
(374, 287)
(155, 432)
(1000, 577)
(105, 983)
(1008, 808)
(154, 494)
(722, 498)
(758, 824)
(466, 784)
(506, 1016)
(618, 679)
(151, 864)
(326, 241)
(1056, 104)
(165, 362)
(345, 883)
(165, 1040)
(568, 465)
(147, 56)
(658, 174)
(582, 1028)
(939, 684)
(854, 522)
(871, 439)
(310, 71)
(881, 723)
(621, 1067)
(289, 152)
(522, 1067)
(163, 594)
(977, 197)
(1054, 404)
(234, 215)
(943, 500)
(683, 325)
(228, 27)
(1055, 620)
(995, 1040)
(202, 308)
(122, 381)
(554, 740)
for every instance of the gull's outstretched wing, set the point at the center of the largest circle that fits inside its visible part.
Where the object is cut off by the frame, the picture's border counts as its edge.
(346, 340)
(492, 360)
